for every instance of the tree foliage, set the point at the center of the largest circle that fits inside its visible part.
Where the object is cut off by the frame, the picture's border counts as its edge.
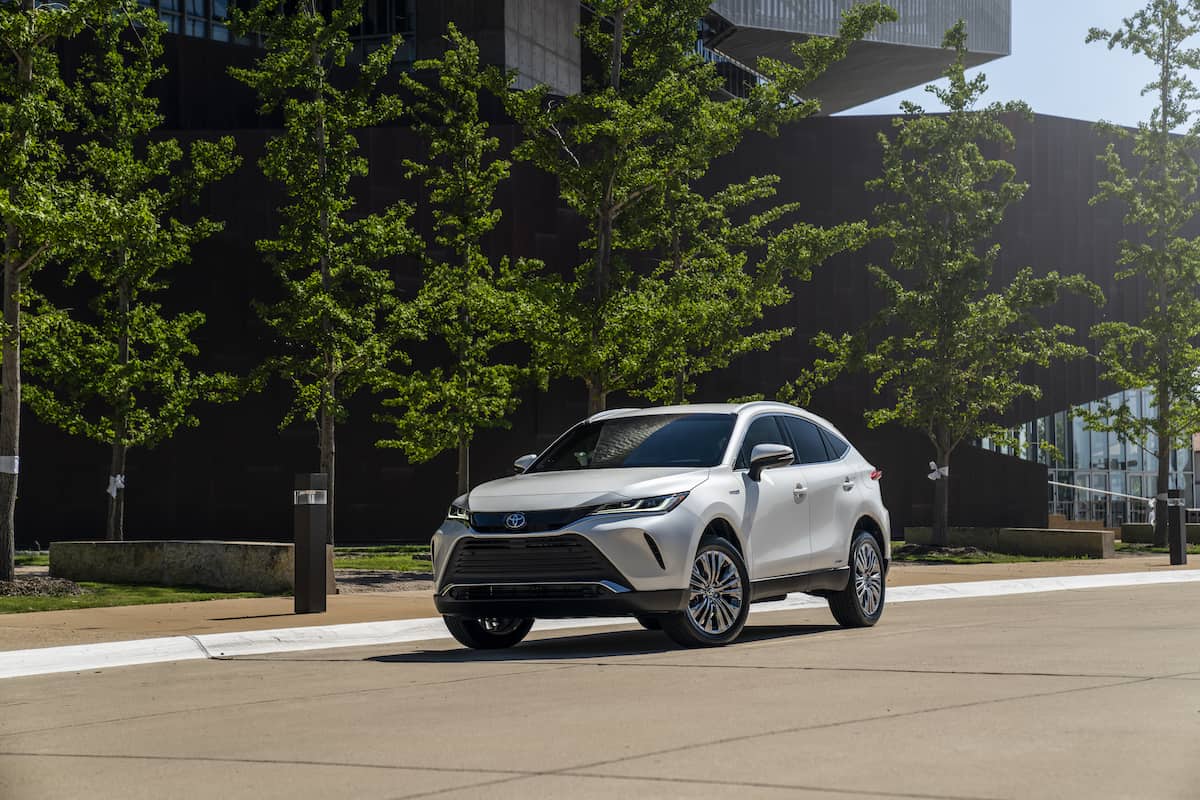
(122, 375)
(32, 199)
(950, 349)
(1159, 194)
(338, 322)
(469, 306)
(635, 137)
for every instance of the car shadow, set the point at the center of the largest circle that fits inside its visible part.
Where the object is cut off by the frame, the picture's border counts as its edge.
(591, 645)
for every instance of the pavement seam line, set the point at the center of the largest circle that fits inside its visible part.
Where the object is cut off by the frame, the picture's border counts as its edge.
(49, 660)
(780, 732)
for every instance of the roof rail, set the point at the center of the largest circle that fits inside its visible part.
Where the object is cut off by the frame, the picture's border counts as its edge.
(766, 403)
(610, 412)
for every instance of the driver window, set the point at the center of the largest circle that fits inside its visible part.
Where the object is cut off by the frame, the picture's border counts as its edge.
(763, 430)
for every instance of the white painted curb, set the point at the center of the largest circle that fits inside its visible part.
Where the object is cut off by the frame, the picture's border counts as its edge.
(78, 658)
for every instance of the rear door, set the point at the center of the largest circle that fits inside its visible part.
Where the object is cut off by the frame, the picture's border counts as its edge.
(776, 515)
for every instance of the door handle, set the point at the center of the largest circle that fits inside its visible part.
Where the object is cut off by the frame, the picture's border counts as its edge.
(799, 492)
(848, 484)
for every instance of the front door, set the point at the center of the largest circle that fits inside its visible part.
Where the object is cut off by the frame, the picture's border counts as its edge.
(776, 508)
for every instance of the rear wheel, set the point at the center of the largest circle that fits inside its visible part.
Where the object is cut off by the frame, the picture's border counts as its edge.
(860, 604)
(488, 633)
(718, 601)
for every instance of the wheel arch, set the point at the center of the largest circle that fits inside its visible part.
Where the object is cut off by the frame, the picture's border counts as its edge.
(722, 527)
(866, 522)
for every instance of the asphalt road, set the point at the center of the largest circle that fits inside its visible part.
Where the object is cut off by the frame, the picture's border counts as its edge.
(1092, 693)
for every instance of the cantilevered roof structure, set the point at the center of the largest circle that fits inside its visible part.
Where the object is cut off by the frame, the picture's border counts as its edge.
(897, 56)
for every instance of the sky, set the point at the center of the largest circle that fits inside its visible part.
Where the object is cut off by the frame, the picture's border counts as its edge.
(1053, 70)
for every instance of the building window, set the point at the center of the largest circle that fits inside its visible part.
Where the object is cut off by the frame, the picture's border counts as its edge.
(208, 19)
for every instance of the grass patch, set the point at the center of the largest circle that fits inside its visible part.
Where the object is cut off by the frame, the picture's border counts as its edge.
(100, 595)
(400, 558)
(926, 554)
(1147, 550)
(32, 560)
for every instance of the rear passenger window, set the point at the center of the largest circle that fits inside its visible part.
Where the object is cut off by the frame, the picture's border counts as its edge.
(809, 447)
(837, 446)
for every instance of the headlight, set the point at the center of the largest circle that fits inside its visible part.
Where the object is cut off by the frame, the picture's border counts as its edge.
(459, 512)
(647, 505)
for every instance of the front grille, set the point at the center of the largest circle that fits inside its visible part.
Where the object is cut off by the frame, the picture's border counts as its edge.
(535, 521)
(537, 591)
(555, 559)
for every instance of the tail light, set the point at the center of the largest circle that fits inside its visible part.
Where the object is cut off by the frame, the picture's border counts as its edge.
(876, 474)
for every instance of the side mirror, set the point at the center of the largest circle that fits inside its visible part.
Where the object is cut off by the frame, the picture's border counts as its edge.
(766, 456)
(524, 462)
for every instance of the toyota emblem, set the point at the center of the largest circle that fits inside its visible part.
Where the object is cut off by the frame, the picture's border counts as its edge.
(514, 522)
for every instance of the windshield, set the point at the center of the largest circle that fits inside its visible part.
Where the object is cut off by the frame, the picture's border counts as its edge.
(660, 440)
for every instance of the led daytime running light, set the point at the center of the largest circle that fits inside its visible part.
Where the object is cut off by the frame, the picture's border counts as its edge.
(646, 505)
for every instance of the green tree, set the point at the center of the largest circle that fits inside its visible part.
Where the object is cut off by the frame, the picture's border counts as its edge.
(949, 349)
(696, 306)
(470, 305)
(31, 200)
(338, 319)
(651, 123)
(122, 377)
(1160, 350)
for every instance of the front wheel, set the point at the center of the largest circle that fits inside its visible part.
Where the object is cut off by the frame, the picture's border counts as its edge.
(488, 633)
(860, 604)
(718, 601)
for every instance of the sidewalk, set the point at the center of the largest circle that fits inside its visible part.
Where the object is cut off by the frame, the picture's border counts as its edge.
(85, 626)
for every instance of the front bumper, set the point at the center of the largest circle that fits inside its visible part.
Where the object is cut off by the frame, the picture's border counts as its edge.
(596, 566)
(610, 604)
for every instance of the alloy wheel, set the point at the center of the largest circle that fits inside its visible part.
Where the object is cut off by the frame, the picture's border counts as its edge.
(716, 593)
(868, 577)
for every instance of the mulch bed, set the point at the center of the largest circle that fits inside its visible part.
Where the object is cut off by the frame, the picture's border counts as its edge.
(39, 587)
(922, 550)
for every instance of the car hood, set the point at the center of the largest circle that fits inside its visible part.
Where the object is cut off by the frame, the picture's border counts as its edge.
(542, 491)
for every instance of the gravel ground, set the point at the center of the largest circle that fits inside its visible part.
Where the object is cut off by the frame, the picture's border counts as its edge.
(38, 586)
(352, 581)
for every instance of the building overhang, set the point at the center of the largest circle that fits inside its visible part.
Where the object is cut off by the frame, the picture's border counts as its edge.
(897, 56)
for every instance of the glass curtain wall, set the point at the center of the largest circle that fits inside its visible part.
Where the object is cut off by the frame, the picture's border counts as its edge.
(206, 19)
(1119, 472)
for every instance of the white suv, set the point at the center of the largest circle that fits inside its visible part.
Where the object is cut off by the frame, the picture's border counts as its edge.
(680, 516)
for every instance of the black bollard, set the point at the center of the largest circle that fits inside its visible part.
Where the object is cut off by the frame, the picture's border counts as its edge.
(1176, 527)
(308, 503)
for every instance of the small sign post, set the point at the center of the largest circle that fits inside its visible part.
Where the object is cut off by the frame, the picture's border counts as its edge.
(308, 503)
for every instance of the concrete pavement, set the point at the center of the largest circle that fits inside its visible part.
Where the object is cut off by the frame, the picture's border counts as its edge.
(83, 626)
(1090, 693)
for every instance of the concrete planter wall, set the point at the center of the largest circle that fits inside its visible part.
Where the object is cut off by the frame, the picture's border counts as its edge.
(1025, 541)
(229, 566)
(1143, 533)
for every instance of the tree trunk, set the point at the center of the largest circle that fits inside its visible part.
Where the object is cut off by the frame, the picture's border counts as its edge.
(1164, 363)
(114, 528)
(10, 351)
(680, 386)
(464, 465)
(941, 502)
(328, 463)
(329, 404)
(597, 397)
(1163, 482)
(10, 405)
(614, 78)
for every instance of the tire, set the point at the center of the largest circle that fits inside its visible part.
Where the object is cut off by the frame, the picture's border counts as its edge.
(488, 634)
(860, 604)
(720, 598)
(650, 623)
